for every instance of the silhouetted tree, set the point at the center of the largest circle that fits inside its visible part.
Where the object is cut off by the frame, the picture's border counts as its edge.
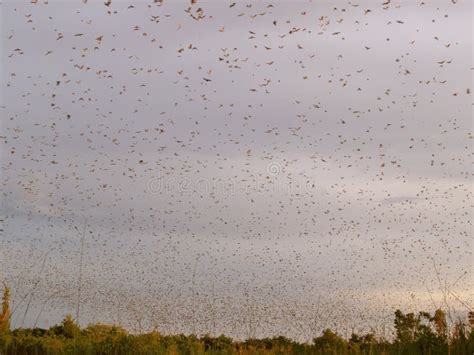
(405, 327)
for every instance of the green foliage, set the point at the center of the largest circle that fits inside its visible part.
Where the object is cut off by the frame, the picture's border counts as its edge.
(414, 334)
(330, 343)
(68, 328)
(365, 344)
(423, 333)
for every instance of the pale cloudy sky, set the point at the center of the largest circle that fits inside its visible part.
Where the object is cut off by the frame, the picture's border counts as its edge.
(256, 163)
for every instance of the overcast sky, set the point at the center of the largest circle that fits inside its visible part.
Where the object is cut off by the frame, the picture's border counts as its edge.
(256, 163)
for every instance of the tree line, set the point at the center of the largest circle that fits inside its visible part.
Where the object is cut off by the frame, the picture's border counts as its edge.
(422, 333)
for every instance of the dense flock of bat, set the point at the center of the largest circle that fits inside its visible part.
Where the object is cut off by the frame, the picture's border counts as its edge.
(252, 168)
